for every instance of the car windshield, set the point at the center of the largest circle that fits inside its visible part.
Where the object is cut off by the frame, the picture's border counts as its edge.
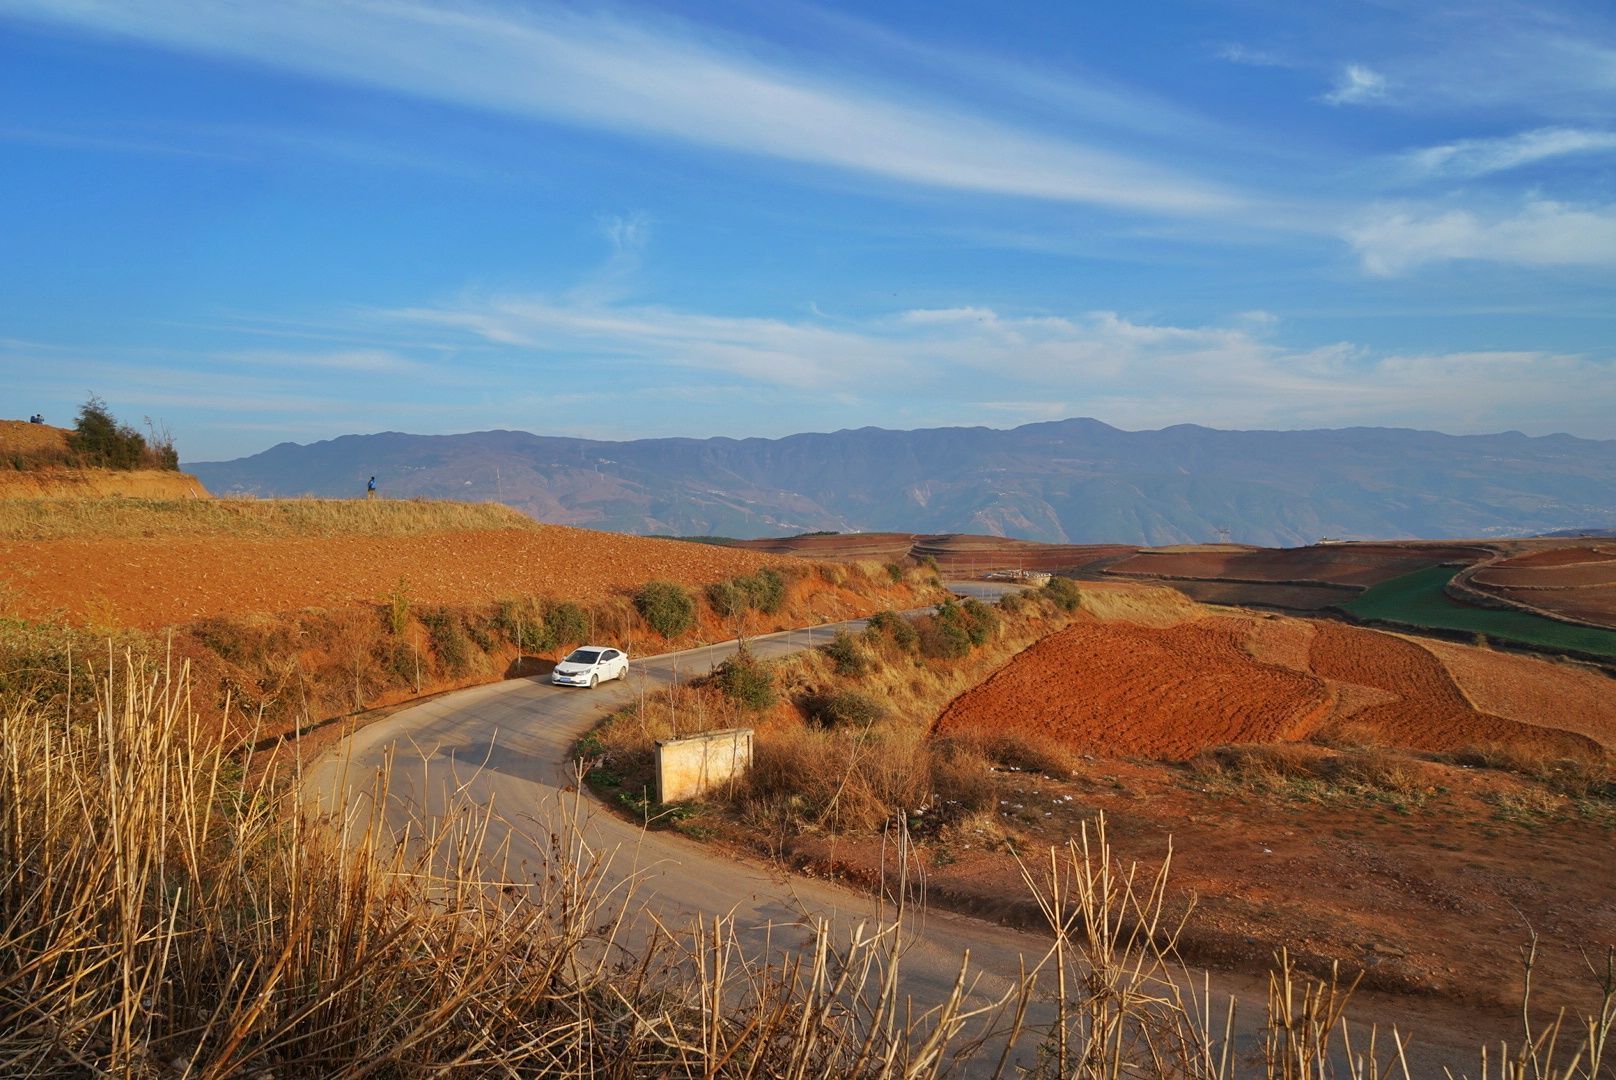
(583, 656)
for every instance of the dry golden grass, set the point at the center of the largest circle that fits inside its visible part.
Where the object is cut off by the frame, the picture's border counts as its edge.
(1146, 605)
(122, 518)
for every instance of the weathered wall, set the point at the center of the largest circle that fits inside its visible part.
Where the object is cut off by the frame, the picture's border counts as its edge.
(687, 767)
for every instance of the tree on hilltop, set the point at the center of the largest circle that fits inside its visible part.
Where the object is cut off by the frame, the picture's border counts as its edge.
(101, 441)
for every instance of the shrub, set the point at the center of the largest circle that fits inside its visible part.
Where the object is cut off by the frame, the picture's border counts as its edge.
(100, 440)
(398, 608)
(1013, 601)
(1064, 593)
(450, 643)
(766, 590)
(843, 708)
(565, 624)
(941, 639)
(727, 598)
(667, 607)
(895, 572)
(745, 680)
(890, 626)
(980, 620)
(845, 654)
(524, 626)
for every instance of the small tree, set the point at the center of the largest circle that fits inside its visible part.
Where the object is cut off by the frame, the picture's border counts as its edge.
(99, 439)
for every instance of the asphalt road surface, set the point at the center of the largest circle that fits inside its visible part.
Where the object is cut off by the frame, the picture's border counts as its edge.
(509, 743)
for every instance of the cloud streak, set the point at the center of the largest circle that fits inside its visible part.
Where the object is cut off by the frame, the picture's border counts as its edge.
(652, 81)
(1095, 363)
(1467, 158)
(1357, 85)
(1394, 240)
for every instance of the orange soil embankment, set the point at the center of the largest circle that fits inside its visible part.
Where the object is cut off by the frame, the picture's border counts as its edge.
(162, 582)
(1121, 689)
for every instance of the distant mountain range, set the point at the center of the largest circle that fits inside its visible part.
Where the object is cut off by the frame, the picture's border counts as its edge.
(1069, 481)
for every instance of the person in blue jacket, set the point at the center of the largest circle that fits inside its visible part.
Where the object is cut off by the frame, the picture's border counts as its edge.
(370, 489)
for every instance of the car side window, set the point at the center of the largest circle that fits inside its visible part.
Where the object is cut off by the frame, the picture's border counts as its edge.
(611, 654)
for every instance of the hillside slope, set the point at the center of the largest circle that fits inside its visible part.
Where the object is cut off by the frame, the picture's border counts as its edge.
(1070, 481)
(36, 463)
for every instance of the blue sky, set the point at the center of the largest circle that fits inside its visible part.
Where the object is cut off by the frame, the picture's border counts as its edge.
(258, 222)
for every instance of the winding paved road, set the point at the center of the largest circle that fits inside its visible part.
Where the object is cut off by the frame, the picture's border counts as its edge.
(510, 742)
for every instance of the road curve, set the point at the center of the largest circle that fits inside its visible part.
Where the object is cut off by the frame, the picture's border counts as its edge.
(509, 744)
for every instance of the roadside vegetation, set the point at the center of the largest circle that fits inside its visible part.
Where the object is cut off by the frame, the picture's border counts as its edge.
(1420, 599)
(844, 731)
(169, 907)
(289, 673)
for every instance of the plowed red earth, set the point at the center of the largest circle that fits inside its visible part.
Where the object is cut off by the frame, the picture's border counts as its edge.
(955, 553)
(1354, 564)
(1578, 575)
(1573, 582)
(1429, 712)
(1124, 690)
(151, 583)
(1118, 689)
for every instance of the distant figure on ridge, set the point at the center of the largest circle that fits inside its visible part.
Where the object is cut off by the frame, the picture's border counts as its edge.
(37, 418)
(370, 489)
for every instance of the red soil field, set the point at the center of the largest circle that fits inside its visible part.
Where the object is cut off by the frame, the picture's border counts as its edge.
(1342, 564)
(163, 582)
(955, 553)
(1561, 556)
(1578, 575)
(1576, 582)
(1429, 712)
(1120, 689)
(1530, 689)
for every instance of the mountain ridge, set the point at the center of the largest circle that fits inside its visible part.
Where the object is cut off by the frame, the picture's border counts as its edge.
(1076, 480)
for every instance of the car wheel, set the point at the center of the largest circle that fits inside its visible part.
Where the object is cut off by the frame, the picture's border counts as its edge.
(623, 674)
(594, 681)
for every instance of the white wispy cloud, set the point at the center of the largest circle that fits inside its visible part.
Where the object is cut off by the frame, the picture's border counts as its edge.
(368, 361)
(1479, 157)
(1235, 53)
(1357, 84)
(1096, 363)
(659, 80)
(1393, 240)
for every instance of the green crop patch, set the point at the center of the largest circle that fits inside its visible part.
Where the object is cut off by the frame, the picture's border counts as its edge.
(1420, 599)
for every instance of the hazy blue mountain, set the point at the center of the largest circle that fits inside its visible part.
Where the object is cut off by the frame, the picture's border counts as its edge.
(1067, 481)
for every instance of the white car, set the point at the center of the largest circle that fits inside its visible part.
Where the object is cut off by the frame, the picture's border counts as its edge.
(591, 665)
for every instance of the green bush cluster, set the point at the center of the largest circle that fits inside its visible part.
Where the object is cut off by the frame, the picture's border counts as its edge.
(565, 624)
(1063, 593)
(532, 626)
(956, 628)
(846, 656)
(666, 606)
(763, 591)
(451, 644)
(745, 680)
(890, 626)
(101, 441)
(843, 708)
